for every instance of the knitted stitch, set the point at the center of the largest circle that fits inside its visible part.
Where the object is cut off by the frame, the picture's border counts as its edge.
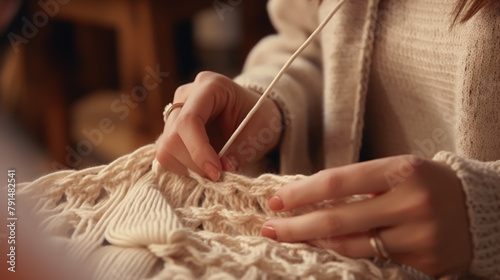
(132, 220)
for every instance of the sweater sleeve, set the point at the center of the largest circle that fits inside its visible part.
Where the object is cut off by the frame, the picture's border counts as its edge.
(299, 92)
(481, 183)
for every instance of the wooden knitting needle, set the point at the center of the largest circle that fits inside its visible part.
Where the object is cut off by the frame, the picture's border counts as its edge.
(276, 79)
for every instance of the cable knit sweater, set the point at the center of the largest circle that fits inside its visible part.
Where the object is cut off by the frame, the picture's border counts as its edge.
(392, 77)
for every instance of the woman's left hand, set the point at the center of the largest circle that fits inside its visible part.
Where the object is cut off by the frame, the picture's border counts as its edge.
(417, 206)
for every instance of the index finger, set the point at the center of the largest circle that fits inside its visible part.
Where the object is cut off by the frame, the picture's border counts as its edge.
(361, 178)
(191, 128)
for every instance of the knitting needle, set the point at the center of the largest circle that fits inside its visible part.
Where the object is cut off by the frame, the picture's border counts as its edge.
(276, 79)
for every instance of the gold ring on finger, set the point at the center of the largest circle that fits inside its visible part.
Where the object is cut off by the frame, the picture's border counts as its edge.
(169, 108)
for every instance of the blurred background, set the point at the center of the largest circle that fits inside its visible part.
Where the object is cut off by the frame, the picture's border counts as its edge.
(85, 81)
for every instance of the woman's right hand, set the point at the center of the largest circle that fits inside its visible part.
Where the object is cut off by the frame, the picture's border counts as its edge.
(213, 108)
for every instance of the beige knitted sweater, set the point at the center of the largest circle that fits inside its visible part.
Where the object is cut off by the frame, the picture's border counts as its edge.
(393, 76)
(132, 220)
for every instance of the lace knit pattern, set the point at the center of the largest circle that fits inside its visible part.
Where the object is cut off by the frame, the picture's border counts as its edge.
(131, 220)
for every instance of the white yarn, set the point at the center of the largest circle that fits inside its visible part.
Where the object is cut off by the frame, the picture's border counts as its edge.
(132, 220)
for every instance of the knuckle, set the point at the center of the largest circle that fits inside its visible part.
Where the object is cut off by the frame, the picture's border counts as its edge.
(214, 85)
(208, 76)
(415, 160)
(417, 205)
(331, 222)
(418, 168)
(180, 93)
(331, 183)
(412, 165)
(334, 243)
(423, 204)
(405, 169)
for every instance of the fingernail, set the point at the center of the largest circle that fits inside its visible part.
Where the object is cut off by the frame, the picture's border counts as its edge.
(212, 172)
(230, 163)
(275, 203)
(269, 232)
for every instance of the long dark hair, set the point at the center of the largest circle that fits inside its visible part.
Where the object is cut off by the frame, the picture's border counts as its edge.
(466, 9)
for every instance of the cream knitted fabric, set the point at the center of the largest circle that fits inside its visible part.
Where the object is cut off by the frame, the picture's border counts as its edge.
(131, 220)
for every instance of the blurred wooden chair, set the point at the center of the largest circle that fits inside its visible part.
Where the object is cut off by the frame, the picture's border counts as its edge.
(144, 31)
(145, 37)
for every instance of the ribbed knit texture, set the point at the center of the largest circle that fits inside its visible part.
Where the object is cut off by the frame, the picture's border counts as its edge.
(411, 89)
(429, 88)
(132, 220)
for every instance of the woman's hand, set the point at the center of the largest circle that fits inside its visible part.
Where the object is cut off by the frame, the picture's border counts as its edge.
(213, 108)
(418, 207)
